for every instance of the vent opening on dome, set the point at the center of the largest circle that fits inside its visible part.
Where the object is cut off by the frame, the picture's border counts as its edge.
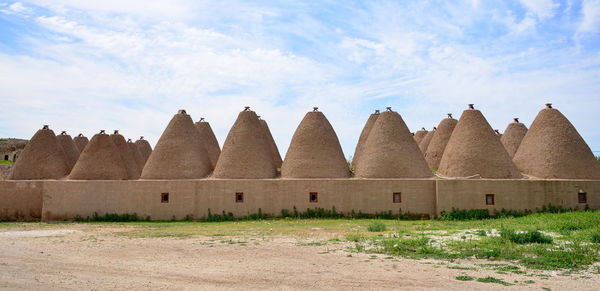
(239, 197)
(489, 199)
(313, 197)
(582, 197)
(164, 197)
(397, 197)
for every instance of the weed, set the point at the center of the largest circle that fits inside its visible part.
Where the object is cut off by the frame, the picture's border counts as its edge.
(464, 278)
(493, 280)
(595, 237)
(377, 226)
(530, 236)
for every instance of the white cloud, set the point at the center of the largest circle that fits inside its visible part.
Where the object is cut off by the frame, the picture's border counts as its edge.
(15, 8)
(541, 9)
(590, 21)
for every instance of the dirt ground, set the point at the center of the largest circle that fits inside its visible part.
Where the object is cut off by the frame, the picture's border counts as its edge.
(94, 257)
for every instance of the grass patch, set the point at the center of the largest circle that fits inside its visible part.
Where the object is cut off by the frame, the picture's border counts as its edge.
(493, 280)
(595, 237)
(527, 237)
(377, 226)
(464, 278)
(4, 162)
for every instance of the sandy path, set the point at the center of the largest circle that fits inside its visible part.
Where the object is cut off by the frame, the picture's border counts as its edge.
(97, 260)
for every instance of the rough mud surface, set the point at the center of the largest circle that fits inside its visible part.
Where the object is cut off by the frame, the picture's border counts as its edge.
(89, 256)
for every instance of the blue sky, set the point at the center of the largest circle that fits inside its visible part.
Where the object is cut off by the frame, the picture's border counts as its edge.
(83, 66)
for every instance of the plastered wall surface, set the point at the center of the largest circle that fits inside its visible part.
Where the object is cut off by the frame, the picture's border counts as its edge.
(515, 194)
(53, 200)
(21, 200)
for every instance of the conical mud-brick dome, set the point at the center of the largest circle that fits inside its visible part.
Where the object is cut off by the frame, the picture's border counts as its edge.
(133, 170)
(553, 149)
(474, 149)
(69, 148)
(137, 156)
(435, 150)
(100, 160)
(391, 152)
(315, 150)
(420, 135)
(179, 153)
(246, 153)
(80, 142)
(512, 137)
(42, 158)
(360, 146)
(274, 150)
(209, 140)
(144, 147)
(424, 144)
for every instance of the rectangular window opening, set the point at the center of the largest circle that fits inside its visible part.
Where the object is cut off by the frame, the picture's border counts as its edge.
(582, 197)
(164, 197)
(397, 197)
(239, 197)
(489, 199)
(313, 197)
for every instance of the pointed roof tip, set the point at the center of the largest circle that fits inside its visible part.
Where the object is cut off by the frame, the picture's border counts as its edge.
(141, 137)
(449, 115)
(435, 150)
(100, 160)
(131, 165)
(181, 111)
(246, 153)
(274, 150)
(129, 140)
(201, 119)
(102, 131)
(362, 140)
(389, 109)
(46, 127)
(80, 135)
(315, 151)
(209, 140)
(471, 106)
(548, 105)
(116, 131)
(513, 136)
(315, 109)
(475, 149)
(391, 152)
(553, 149)
(179, 153)
(41, 159)
(63, 133)
(247, 108)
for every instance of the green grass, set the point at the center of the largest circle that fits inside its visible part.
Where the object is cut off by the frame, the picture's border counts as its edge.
(464, 278)
(527, 237)
(376, 226)
(550, 241)
(3, 162)
(493, 280)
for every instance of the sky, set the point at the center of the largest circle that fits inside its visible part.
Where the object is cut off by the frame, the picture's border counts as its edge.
(82, 66)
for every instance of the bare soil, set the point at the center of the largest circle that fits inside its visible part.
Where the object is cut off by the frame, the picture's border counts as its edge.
(99, 257)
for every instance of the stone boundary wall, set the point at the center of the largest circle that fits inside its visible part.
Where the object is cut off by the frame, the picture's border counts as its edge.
(52, 200)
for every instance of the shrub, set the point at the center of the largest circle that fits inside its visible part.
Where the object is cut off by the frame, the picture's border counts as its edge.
(528, 237)
(466, 214)
(376, 226)
(595, 237)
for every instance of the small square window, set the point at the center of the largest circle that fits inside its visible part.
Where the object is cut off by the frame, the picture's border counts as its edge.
(164, 197)
(397, 197)
(239, 197)
(313, 197)
(489, 199)
(582, 197)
